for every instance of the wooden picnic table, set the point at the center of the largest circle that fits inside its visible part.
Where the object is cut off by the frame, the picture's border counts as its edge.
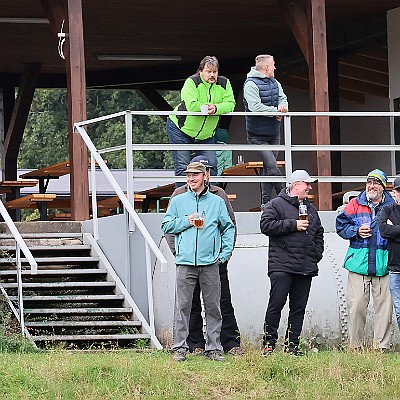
(43, 175)
(157, 198)
(55, 171)
(105, 206)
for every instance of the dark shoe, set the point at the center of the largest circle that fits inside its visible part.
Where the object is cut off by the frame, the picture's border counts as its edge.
(236, 351)
(198, 351)
(180, 354)
(267, 351)
(215, 355)
(294, 351)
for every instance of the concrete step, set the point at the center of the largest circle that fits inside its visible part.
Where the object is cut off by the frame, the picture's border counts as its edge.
(79, 311)
(44, 226)
(59, 285)
(52, 260)
(72, 298)
(55, 272)
(46, 324)
(68, 338)
(66, 247)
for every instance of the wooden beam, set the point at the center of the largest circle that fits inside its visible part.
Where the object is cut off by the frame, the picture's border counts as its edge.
(368, 63)
(154, 99)
(361, 74)
(296, 18)
(75, 59)
(364, 87)
(7, 105)
(19, 117)
(302, 83)
(56, 12)
(318, 73)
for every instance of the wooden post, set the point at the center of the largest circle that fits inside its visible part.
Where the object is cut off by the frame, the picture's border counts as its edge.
(71, 12)
(76, 81)
(310, 33)
(318, 75)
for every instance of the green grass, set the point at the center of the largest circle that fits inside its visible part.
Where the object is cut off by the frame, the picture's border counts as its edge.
(154, 375)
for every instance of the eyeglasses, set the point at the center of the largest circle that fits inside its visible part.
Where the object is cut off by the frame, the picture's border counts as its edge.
(373, 182)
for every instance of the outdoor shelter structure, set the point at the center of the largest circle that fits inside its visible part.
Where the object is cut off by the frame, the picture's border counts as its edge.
(335, 48)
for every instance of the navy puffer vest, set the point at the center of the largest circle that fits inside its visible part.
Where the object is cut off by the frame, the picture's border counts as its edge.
(264, 126)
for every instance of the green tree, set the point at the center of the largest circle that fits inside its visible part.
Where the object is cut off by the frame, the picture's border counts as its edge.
(45, 140)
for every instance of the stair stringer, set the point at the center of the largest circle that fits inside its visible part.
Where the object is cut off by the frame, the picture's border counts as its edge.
(104, 263)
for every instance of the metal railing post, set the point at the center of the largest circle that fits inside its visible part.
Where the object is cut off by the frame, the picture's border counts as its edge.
(149, 287)
(20, 291)
(130, 191)
(288, 146)
(129, 157)
(94, 197)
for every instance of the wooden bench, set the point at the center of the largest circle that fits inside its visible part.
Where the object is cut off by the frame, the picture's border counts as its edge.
(14, 188)
(38, 200)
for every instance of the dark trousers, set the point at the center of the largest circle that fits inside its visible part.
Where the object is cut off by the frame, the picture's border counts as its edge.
(230, 336)
(298, 289)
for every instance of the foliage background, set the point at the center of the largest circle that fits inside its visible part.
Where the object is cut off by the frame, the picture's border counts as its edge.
(45, 140)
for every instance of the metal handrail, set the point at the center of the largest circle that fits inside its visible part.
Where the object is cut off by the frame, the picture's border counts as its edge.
(287, 148)
(20, 246)
(149, 242)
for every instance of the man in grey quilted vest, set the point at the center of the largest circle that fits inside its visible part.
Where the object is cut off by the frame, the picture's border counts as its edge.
(262, 92)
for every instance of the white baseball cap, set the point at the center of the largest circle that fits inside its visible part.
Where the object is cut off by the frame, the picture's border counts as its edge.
(300, 175)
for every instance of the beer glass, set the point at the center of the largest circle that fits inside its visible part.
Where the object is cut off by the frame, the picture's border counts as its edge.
(199, 219)
(303, 213)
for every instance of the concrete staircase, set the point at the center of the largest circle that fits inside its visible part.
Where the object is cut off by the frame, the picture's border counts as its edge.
(75, 300)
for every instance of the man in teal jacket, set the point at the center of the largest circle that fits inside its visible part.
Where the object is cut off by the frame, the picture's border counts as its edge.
(205, 88)
(199, 251)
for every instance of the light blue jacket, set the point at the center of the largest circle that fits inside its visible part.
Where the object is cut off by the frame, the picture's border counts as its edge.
(200, 246)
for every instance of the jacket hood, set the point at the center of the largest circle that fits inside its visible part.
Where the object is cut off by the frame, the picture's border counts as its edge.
(255, 74)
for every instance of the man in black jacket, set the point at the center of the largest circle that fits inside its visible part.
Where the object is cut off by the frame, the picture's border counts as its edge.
(389, 227)
(295, 247)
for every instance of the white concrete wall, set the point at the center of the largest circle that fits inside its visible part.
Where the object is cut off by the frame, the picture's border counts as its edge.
(326, 315)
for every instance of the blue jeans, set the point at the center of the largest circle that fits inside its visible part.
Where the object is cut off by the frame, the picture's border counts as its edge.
(182, 158)
(394, 286)
(268, 158)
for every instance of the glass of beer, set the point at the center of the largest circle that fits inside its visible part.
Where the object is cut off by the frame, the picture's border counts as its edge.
(199, 220)
(303, 213)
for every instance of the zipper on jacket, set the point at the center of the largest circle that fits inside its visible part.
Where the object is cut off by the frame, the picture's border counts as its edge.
(205, 118)
(197, 232)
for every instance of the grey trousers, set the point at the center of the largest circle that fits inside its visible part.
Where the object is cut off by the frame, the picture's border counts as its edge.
(186, 279)
(357, 298)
